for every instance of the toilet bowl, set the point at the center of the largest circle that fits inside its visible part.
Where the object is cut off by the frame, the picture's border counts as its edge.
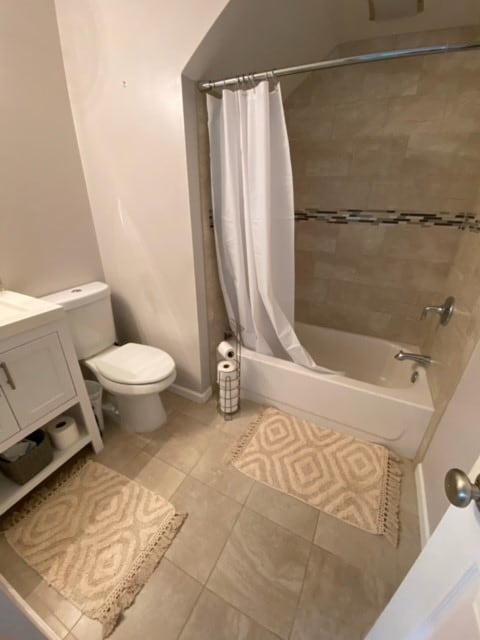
(134, 374)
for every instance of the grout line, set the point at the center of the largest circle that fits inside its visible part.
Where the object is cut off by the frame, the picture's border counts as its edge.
(204, 585)
(187, 619)
(300, 593)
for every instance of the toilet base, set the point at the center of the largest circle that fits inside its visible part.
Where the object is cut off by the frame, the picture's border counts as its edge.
(142, 413)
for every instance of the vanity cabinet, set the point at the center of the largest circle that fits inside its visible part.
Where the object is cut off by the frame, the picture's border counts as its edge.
(35, 379)
(40, 379)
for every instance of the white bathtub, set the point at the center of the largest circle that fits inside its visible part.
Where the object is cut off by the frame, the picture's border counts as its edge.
(374, 399)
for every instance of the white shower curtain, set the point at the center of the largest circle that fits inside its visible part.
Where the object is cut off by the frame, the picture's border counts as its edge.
(254, 216)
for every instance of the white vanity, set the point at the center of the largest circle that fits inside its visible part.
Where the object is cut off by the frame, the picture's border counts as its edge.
(40, 379)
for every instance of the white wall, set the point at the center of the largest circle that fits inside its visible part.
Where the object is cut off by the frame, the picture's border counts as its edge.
(456, 442)
(123, 62)
(47, 239)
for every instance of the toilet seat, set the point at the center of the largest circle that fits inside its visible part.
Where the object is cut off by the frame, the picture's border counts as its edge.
(133, 369)
(135, 364)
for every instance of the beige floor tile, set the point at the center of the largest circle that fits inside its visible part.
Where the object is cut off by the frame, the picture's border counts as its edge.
(261, 571)
(240, 422)
(288, 512)
(17, 572)
(409, 546)
(173, 402)
(63, 609)
(115, 435)
(161, 608)
(46, 614)
(124, 461)
(213, 618)
(338, 601)
(214, 469)
(206, 413)
(181, 442)
(361, 549)
(156, 475)
(202, 537)
(119, 451)
(87, 629)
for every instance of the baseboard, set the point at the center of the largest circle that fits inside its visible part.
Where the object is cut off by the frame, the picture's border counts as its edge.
(422, 506)
(196, 396)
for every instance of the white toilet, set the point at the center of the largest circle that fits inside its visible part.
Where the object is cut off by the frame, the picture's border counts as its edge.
(134, 373)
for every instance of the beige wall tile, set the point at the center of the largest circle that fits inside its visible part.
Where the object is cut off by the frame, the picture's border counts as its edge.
(328, 158)
(363, 118)
(379, 156)
(390, 78)
(372, 45)
(341, 85)
(217, 316)
(314, 122)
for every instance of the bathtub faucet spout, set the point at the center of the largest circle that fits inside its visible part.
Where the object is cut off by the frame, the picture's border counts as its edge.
(416, 357)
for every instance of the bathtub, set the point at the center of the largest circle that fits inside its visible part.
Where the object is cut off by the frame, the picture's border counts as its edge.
(373, 398)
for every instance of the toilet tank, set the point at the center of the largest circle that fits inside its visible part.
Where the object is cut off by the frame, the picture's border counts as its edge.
(90, 317)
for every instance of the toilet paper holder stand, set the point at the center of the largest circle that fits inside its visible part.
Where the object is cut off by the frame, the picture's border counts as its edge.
(231, 383)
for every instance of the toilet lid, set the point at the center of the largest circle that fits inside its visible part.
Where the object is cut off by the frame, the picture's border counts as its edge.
(135, 364)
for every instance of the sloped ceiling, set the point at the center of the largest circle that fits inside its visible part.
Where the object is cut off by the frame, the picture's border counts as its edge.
(254, 35)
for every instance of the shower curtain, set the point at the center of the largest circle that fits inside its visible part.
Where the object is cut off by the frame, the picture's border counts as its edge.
(253, 216)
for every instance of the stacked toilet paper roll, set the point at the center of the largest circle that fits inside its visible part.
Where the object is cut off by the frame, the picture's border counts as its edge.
(225, 351)
(63, 432)
(229, 385)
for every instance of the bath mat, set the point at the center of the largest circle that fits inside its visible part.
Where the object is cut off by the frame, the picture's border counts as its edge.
(96, 537)
(355, 481)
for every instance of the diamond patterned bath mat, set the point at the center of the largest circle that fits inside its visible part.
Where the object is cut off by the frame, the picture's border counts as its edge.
(96, 537)
(355, 481)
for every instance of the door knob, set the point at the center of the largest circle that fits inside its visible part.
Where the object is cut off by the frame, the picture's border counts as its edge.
(460, 491)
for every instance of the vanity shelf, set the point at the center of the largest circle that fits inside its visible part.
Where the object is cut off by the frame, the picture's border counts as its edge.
(10, 492)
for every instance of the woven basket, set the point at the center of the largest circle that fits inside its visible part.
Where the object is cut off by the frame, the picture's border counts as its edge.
(23, 469)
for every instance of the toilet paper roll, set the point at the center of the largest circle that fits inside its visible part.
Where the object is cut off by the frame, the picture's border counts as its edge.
(228, 382)
(63, 432)
(226, 351)
(226, 369)
(229, 405)
(226, 394)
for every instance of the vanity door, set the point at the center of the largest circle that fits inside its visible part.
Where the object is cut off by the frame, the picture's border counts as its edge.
(8, 424)
(35, 378)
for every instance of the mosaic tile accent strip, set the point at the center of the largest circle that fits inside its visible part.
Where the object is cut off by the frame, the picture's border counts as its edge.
(440, 218)
(462, 221)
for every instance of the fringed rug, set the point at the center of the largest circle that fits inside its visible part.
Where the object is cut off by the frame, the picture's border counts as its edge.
(96, 537)
(357, 482)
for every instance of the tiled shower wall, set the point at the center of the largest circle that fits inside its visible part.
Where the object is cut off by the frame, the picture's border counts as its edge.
(217, 315)
(400, 134)
(451, 346)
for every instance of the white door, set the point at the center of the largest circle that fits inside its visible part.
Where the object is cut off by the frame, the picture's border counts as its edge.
(35, 378)
(440, 597)
(8, 424)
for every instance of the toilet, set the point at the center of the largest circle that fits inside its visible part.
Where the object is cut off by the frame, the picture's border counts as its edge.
(134, 374)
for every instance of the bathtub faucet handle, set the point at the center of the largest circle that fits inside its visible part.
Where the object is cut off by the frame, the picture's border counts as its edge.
(445, 311)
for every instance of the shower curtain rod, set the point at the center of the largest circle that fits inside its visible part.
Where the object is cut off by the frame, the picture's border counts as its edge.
(338, 62)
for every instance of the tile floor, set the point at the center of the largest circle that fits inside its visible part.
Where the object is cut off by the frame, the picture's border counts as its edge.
(249, 563)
